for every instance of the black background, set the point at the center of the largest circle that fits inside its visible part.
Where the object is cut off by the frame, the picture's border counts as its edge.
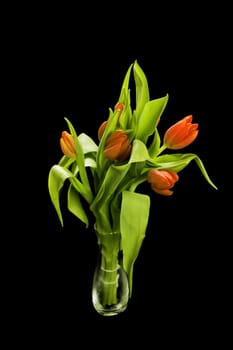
(180, 279)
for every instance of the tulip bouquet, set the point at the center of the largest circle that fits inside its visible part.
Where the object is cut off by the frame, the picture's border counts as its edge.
(104, 174)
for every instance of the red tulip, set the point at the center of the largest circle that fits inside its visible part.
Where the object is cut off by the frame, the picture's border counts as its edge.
(117, 146)
(67, 144)
(181, 134)
(162, 181)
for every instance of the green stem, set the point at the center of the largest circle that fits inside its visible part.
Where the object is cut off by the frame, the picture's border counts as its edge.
(109, 264)
(162, 148)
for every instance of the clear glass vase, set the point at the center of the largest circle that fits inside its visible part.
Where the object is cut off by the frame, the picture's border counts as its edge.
(110, 288)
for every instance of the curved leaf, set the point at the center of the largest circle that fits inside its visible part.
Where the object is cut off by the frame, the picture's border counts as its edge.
(57, 176)
(87, 143)
(178, 162)
(56, 179)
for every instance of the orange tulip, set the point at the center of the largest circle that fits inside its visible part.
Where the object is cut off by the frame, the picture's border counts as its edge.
(119, 106)
(162, 181)
(181, 134)
(117, 146)
(101, 129)
(67, 144)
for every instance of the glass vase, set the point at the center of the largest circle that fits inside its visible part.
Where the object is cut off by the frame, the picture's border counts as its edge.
(110, 288)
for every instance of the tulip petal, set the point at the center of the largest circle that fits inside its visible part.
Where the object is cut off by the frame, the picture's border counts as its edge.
(164, 192)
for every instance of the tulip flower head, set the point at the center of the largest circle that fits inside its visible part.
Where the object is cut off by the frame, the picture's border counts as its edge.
(181, 134)
(162, 181)
(117, 146)
(67, 144)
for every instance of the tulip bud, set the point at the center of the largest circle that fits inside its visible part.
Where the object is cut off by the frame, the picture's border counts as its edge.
(117, 146)
(101, 129)
(181, 134)
(162, 181)
(67, 144)
(119, 106)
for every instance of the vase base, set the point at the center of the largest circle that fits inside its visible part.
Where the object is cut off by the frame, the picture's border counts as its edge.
(111, 310)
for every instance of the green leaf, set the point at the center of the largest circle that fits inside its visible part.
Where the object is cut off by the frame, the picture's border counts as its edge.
(149, 117)
(125, 85)
(142, 90)
(155, 145)
(125, 119)
(133, 223)
(87, 143)
(112, 179)
(175, 162)
(139, 152)
(80, 160)
(90, 162)
(75, 206)
(101, 160)
(204, 172)
(178, 162)
(56, 179)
